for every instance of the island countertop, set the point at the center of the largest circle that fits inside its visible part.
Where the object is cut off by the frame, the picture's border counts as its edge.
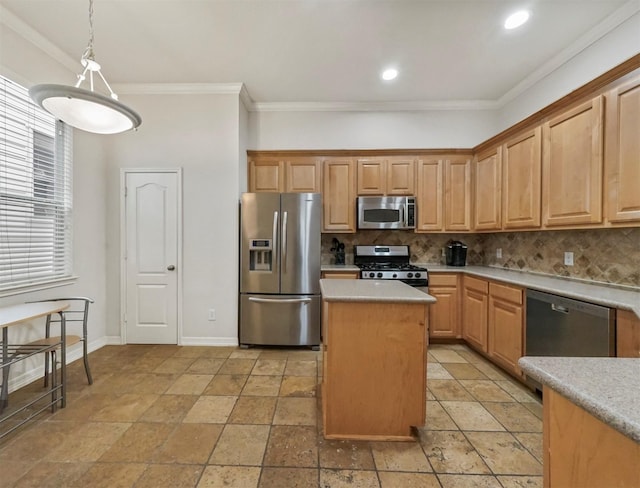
(391, 291)
(607, 388)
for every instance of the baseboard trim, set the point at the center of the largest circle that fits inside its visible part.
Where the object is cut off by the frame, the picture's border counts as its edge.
(209, 341)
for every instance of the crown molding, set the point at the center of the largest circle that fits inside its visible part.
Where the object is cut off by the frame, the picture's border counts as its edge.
(178, 88)
(417, 106)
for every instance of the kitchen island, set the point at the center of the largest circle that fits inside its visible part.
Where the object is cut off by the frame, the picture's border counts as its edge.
(374, 359)
(591, 420)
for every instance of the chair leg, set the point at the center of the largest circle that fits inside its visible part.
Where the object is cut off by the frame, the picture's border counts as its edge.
(46, 370)
(54, 381)
(4, 391)
(86, 361)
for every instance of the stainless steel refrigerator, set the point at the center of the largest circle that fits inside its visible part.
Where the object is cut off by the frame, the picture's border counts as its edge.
(280, 269)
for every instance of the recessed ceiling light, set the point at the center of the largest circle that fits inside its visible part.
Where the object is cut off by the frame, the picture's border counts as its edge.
(516, 20)
(389, 74)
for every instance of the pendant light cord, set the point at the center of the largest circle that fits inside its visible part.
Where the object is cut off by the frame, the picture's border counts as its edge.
(88, 52)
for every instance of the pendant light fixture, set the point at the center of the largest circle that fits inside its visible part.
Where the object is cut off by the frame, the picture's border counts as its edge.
(86, 109)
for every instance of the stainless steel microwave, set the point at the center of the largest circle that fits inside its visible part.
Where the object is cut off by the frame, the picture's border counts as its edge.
(386, 212)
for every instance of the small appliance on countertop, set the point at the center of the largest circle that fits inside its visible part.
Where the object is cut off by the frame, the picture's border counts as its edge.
(338, 250)
(456, 253)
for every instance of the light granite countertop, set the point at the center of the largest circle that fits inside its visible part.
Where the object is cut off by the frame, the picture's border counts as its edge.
(607, 388)
(626, 298)
(610, 296)
(372, 291)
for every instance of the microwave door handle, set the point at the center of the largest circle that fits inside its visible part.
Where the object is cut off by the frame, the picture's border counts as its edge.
(402, 216)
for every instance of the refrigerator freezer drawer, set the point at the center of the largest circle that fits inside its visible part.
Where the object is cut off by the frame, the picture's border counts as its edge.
(280, 320)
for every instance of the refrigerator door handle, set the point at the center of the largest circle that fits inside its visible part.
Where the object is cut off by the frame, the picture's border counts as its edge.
(284, 242)
(275, 230)
(280, 300)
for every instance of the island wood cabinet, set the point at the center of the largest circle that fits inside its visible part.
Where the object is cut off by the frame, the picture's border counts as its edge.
(386, 176)
(506, 325)
(521, 180)
(340, 275)
(622, 158)
(444, 194)
(572, 166)
(580, 450)
(444, 315)
(339, 195)
(374, 369)
(627, 334)
(293, 175)
(487, 190)
(475, 309)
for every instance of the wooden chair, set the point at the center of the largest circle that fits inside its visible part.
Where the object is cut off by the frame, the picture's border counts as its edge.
(77, 312)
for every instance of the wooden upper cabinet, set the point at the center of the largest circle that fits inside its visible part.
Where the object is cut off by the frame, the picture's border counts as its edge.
(339, 195)
(429, 196)
(386, 176)
(303, 176)
(457, 194)
(521, 177)
(266, 175)
(487, 190)
(372, 176)
(622, 158)
(572, 166)
(401, 176)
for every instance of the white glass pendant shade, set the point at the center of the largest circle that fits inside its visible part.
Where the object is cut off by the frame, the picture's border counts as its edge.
(84, 109)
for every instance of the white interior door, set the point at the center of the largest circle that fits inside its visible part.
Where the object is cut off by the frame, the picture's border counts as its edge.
(151, 257)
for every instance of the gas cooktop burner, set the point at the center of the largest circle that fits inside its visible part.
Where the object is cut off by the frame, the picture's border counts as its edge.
(389, 263)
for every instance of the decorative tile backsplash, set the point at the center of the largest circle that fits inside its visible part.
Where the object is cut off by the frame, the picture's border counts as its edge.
(604, 255)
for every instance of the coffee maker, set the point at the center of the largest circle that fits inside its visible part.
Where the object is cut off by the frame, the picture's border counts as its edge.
(456, 253)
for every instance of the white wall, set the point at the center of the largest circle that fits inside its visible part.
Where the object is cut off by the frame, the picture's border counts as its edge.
(370, 130)
(199, 133)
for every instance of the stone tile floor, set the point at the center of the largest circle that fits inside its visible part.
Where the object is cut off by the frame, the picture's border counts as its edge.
(161, 416)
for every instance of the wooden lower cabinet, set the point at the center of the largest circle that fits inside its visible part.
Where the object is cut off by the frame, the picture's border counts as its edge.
(374, 369)
(341, 275)
(506, 325)
(475, 308)
(581, 451)
(627, 334)
(444, 315)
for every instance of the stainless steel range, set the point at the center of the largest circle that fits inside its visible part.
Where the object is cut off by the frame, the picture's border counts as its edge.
(389, 263)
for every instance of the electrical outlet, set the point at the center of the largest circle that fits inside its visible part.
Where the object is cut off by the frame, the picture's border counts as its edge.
(568, 259)
(212, 314)
(499, 253)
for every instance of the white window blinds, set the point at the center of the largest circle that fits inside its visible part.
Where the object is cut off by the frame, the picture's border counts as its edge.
(35, 192)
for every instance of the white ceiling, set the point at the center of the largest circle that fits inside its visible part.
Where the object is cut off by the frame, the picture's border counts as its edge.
(323, 51)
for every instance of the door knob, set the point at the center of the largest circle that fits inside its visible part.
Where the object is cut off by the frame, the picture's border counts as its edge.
(171, 267)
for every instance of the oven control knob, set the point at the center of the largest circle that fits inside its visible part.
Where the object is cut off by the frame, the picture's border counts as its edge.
(418, 275)
(395, 275)
(409, 275)
(371, 275)
(379, 275)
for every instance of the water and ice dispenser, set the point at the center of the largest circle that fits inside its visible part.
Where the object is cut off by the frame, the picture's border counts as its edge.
(260, 255)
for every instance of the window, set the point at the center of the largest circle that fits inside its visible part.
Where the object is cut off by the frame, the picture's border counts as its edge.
(35, 192)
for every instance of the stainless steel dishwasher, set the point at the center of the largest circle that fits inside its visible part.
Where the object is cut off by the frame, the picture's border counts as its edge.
(559, 326)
